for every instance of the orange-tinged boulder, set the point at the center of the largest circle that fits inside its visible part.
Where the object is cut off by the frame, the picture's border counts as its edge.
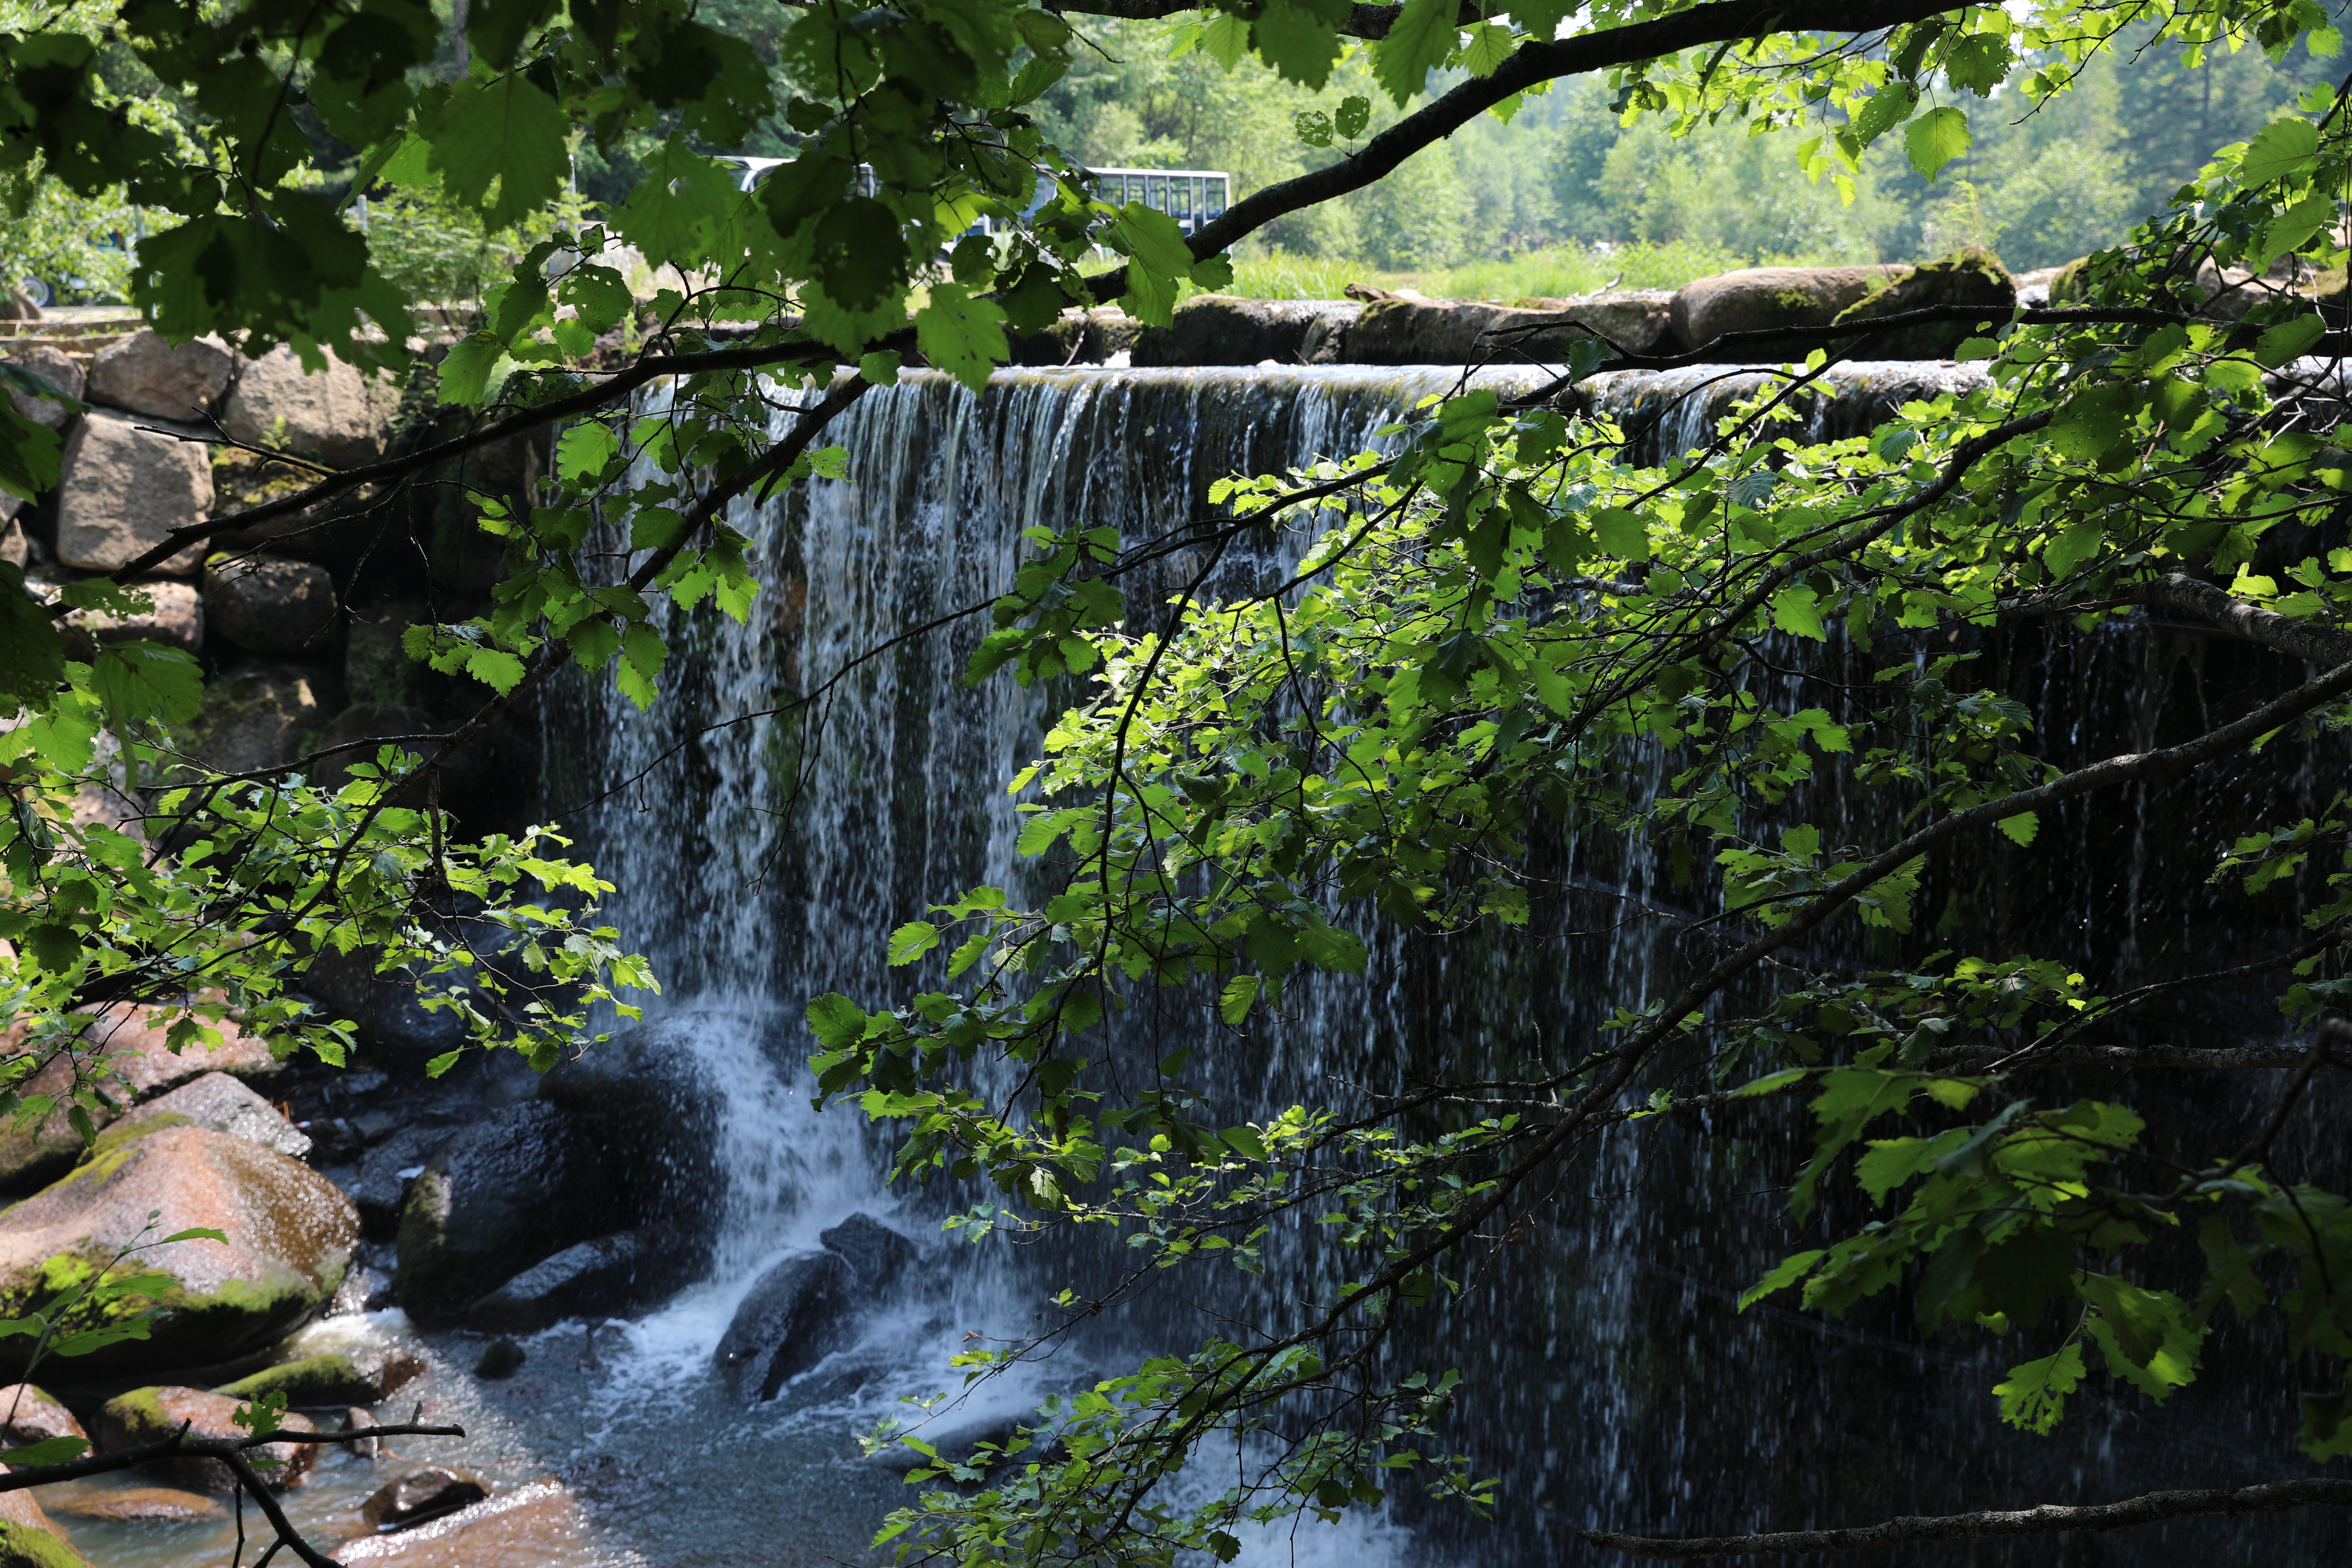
(288, 1235)
(144, 1415)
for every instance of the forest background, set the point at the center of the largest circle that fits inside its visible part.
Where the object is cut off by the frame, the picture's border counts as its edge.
(1560, 200)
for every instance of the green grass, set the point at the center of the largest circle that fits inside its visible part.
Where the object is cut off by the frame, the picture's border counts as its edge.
(1555, 273)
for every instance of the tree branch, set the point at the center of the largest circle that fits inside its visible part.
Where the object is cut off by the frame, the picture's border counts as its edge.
(2177, 591)
(1363, 21)
(1726, 21)
(2268, 1498)
(179, 1445)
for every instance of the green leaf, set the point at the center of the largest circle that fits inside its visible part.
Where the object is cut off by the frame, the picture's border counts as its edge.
(1240, 995)
(1789, 1271)
(472, 368)
(506, 134)
(911, 940)
(2289, 340)
(2081, 540)
(496, 668)
(837, 1021)
(962, 335)
(142, 680)
(1244, 1141)
(1888, 107)
(1621, 534)
(1489, 46)
(441, 1064)
(1935, 138)
(2034, 1396)
(1421, 39)
(32, 651)
(880, 367)
(48, 1451)
(1798, 612)
(2278, 149)
(2020, 828)
(1354, 113)
(582, 452)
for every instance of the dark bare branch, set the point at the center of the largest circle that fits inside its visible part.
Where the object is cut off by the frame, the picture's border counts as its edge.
(179, 1445)
(2269, 1497)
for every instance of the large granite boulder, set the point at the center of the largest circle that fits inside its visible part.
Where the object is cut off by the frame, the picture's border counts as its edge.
(144, 1415)
(1790, 299)
(124, 489)
(290, 1236)
(1220, 328)
(28, 1416)
(267, 605)
(875, 1254)
(515, 1187)
(218, 1101)
(177, 618)
(161, 380)
(134, 1045)
(56, 367)
(27, 1539)
(533, 1526)
(261, 713)
(610, 1276)
(340, 413)
(1971, 277)
(797, 1313)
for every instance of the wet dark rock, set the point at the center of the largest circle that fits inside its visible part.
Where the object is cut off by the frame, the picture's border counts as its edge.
(268, 606)
(798, 1313)
(502, 1358)
(261, 715)
(514, 1187)
(647, 1103)
(1219, 329)
(875, 1254)
(379, 1184)
(386, 1010)
(612, 1276)
(1079, 337)
(425, 1492)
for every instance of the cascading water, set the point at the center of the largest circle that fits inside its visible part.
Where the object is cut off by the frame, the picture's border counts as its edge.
(797, 793)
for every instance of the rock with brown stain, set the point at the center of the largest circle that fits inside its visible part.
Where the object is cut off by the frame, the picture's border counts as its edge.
(289, 1241)
(142, 1505)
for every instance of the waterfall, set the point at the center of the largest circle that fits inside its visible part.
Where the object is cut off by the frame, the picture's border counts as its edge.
(797, 793)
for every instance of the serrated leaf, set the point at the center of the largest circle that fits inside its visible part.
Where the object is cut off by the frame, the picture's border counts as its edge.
(1420, 40)
(911, 940)
(2078, 543)
(1935, 138)
(138, 681)
(441, 1064)
(1489, 46)
(1798, 612)
(2020, 828)
(504, 132)
(472, 369)
(496, 668)
(582, 452)
(1789, 1271)
(963, 335)
(2289, 340)
(2278, 149)
(1240, 995)
(837, 1021)
(2034, 1395)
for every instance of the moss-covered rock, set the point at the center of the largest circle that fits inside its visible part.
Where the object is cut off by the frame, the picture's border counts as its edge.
(314, 1380)
(28, 1416)
(148, 1415)
(290, 1235)
(27, 1539)
(1790, 299)
(1971, 277)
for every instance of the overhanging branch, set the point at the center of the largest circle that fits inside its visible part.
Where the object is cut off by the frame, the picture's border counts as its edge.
(2270, 1498)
